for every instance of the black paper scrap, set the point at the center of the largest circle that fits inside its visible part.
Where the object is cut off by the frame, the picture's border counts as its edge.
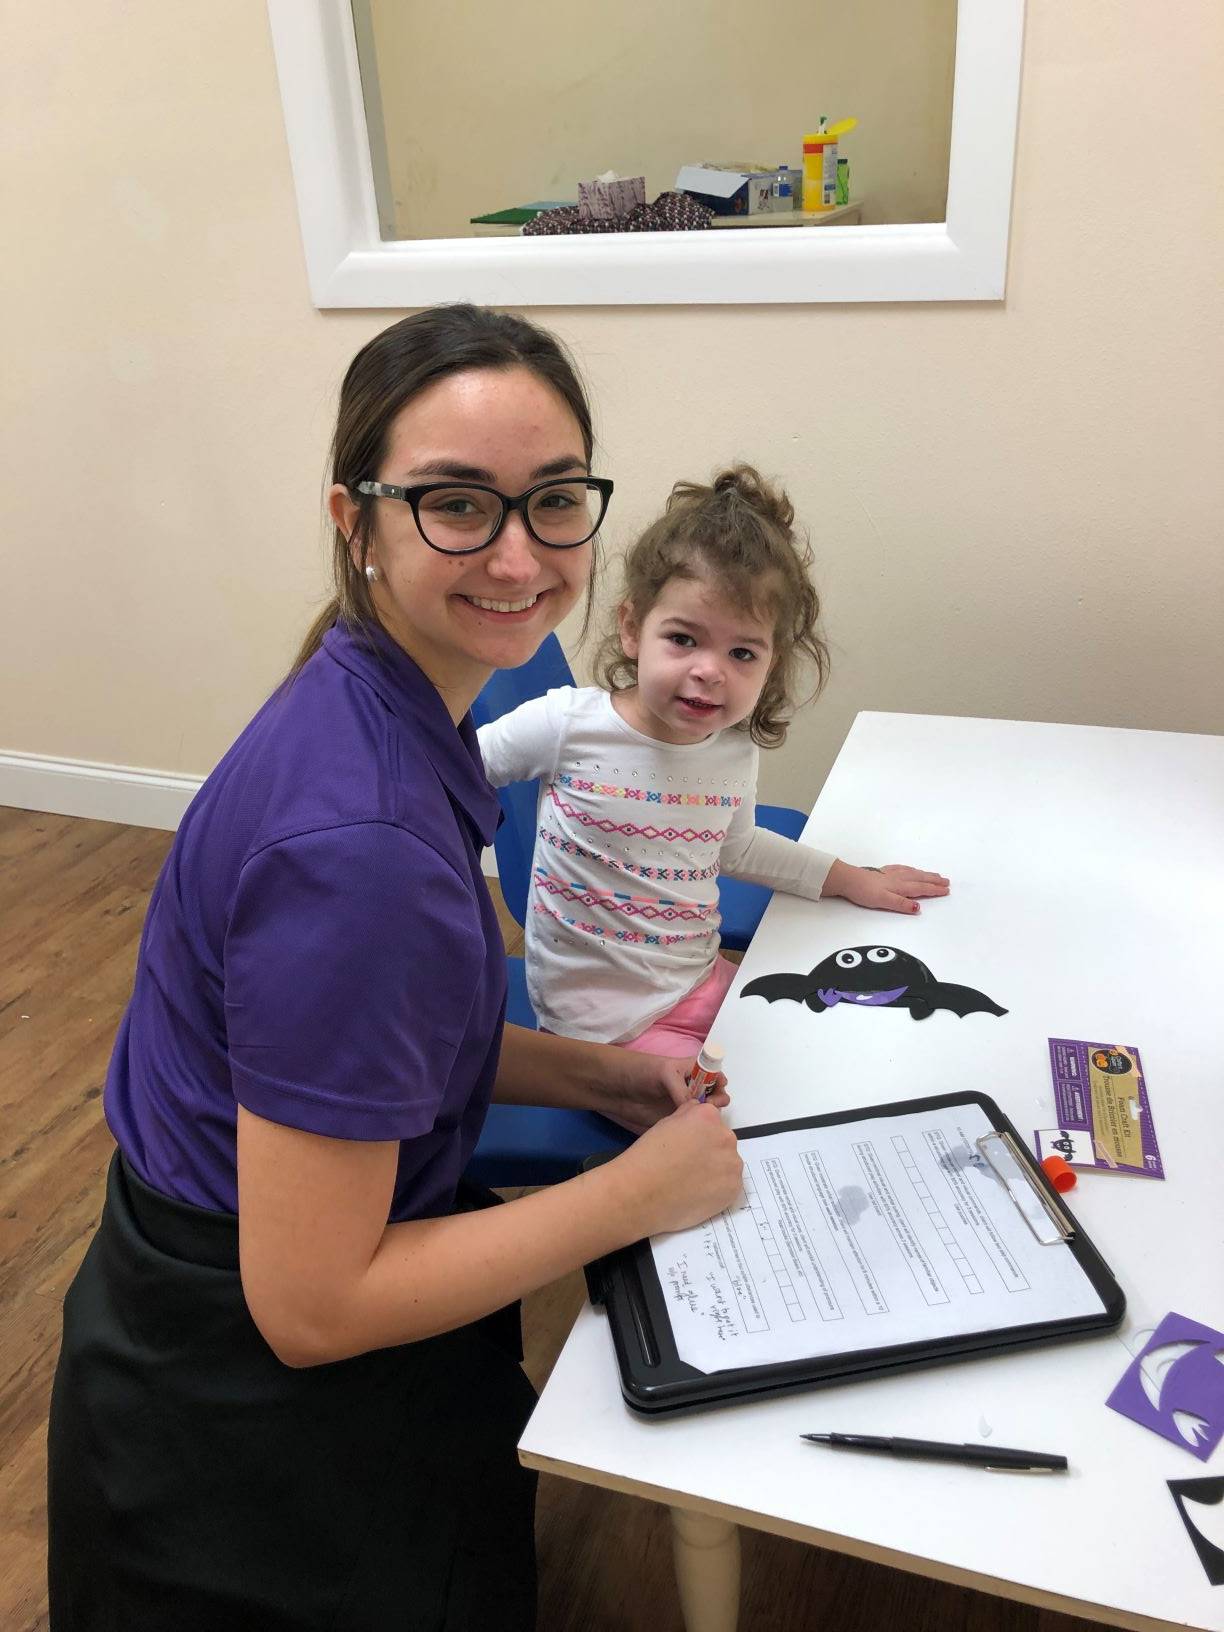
(1202, 1501)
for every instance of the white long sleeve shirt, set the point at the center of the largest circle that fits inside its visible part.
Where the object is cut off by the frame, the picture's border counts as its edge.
(632, 834)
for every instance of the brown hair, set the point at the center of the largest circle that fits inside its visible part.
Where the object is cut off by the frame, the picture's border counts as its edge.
(384, 376)
(740, 531)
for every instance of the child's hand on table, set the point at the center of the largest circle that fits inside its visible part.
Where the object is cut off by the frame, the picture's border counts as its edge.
(886, 889)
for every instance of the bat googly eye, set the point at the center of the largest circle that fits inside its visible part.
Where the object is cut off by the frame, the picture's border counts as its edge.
(848, 959)
(881, 954)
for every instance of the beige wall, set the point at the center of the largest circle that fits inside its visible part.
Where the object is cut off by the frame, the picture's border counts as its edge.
(563, 90)
(1017, 507)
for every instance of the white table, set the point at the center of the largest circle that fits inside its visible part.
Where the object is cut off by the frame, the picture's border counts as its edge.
(1088, 898)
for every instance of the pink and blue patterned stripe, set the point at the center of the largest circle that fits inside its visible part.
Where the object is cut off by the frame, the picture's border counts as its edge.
(690, 835)
(633, 906)
(630, 937)
(658, 875)
(649, 796)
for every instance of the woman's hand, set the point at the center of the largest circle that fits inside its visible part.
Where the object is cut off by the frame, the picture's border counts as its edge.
(682, 1171)
(639, 1089)
(894, 888)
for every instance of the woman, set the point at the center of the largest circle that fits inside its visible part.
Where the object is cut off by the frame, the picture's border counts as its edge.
(288, 1394)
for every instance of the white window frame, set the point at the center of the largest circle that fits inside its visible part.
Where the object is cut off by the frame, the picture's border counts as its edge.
(349, 265)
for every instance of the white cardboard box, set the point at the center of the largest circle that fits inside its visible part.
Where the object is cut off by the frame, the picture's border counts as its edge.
(730, 192)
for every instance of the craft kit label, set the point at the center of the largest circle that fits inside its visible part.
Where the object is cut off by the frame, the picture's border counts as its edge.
(1101, 1101)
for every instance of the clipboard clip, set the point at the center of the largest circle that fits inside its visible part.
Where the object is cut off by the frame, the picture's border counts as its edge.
(1043, 1215)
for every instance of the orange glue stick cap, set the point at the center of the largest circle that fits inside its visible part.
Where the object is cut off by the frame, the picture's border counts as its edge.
(1058, 1173)
(703, 1073)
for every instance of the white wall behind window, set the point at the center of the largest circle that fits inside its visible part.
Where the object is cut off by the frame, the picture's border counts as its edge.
(1016, 507)
(488, 106)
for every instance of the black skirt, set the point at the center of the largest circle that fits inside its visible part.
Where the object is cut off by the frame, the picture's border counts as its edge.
(196, 1484)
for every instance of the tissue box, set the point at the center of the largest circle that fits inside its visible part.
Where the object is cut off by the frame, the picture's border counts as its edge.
(731, 189)
(610, 197)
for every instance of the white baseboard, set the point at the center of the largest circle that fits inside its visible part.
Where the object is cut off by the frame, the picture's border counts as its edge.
(103, 793)
(108, 793)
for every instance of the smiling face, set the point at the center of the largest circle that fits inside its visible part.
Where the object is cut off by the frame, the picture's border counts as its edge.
(873, 975)
(459, 617)
(702, 662)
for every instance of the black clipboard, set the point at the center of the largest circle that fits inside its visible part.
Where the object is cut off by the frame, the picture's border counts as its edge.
(656, 1382)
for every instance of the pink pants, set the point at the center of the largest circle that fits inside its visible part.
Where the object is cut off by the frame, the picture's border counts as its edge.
(681, 1031)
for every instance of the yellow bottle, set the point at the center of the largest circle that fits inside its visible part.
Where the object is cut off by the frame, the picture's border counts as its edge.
(820, 165)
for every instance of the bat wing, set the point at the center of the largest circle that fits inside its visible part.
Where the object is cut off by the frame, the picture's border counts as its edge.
(798, 988)
(961, 1000)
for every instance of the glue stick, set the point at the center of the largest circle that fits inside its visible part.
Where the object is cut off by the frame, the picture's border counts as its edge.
(703, 1073)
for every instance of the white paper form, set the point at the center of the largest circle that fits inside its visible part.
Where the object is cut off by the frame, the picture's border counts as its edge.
(862, 1235)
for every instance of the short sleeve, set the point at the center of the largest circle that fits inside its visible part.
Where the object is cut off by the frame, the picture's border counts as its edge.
(352, 958)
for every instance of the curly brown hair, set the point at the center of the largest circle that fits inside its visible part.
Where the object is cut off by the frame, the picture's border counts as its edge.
(740, 531)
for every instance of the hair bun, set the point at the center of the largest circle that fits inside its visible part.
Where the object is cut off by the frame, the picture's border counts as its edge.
(747, 483)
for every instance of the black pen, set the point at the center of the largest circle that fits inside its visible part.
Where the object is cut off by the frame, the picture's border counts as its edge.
(994, 1458)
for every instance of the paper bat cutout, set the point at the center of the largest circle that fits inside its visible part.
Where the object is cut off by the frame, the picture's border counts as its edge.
(874, 977)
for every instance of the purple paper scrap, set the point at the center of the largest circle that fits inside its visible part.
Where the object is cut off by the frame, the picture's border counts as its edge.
(1175, 1385)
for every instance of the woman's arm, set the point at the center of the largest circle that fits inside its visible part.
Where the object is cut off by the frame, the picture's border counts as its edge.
(337, 1058)
(326, 1277)
(635, 1090)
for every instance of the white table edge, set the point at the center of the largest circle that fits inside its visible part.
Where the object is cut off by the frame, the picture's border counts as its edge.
(1009, 719)
(992, 1585)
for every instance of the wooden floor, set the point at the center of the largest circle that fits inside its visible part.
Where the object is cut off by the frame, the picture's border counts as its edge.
(72, 900)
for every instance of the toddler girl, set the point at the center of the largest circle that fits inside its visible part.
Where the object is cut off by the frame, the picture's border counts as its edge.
(648, 787)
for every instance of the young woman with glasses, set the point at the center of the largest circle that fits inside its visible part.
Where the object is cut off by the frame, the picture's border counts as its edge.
(289, 1392)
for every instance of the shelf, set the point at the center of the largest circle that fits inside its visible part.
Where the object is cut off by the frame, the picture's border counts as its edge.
(846, 215)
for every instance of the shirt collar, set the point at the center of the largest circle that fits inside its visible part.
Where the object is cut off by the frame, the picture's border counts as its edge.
(372, 655)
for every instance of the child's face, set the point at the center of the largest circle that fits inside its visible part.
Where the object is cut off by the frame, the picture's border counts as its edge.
(702, 662)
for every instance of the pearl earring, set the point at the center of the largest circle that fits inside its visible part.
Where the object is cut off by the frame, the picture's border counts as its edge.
(371, 572)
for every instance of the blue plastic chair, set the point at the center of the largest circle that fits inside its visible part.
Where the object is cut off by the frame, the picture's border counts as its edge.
(529, 1144)
(523, 1144)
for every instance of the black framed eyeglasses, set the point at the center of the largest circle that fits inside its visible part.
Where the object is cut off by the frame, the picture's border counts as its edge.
(458, 518)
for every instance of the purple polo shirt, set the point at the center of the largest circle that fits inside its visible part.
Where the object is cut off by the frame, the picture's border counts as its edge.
(321, 946)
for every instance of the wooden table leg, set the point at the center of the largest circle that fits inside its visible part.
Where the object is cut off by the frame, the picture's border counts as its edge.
(707, 1555)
